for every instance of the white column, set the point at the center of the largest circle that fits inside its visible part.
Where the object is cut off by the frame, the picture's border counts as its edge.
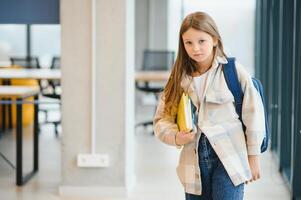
(114, 96)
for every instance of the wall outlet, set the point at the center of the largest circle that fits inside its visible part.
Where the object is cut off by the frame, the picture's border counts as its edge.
(93, 160)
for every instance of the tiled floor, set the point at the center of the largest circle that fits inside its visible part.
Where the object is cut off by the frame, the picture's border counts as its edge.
(155, 170)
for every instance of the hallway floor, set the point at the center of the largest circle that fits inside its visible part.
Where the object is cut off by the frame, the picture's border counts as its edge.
(155, 170)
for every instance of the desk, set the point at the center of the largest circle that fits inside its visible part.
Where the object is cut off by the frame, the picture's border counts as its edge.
(5, 64)
(152, 76)
(20, 74)
(146, 77)
(49, 74)
(22, 93)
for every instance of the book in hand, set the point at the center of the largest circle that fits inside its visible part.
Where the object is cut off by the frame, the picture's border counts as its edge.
(185, 114)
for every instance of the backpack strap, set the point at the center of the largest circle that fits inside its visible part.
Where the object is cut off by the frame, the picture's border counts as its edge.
(234, 86)
(231, 78)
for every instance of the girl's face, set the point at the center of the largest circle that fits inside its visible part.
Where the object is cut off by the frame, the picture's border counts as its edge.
(199, 45)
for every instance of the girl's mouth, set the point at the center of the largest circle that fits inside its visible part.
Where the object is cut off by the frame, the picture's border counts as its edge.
(196, 55)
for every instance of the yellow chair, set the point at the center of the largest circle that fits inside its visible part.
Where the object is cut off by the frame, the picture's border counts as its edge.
(28, 109)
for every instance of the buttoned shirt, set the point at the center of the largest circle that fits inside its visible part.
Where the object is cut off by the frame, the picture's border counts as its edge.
(218, 120)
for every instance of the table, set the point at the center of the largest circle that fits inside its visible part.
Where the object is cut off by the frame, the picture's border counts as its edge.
(5, 64)
(152, 76)
(38, 74)
(146, 77)
(21, 93)
(46, 74)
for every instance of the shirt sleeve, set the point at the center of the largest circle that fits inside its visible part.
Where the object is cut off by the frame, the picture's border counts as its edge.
(252, 112)
(165, 127)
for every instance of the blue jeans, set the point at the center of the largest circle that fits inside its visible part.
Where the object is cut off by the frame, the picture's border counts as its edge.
(216, 184)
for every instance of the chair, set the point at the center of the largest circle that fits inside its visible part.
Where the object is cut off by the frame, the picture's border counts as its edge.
(26, 62)
(54, 84)
(154, 60)
(53, 91)
(19, 62)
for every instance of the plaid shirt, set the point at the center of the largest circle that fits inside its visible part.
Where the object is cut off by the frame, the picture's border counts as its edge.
(218, 120)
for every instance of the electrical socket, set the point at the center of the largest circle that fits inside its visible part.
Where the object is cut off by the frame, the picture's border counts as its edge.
(93, 160)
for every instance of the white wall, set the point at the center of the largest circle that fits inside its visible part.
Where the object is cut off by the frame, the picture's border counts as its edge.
(158, 24)
(141, 30)
(174, 22)
(235, 20)
(151, 27)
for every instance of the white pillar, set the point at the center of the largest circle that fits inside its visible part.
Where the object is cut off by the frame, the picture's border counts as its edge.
(114, 96)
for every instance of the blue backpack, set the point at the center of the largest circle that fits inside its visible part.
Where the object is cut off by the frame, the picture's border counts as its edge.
(235, 88)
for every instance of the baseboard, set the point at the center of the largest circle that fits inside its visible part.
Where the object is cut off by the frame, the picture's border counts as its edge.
(92, 191)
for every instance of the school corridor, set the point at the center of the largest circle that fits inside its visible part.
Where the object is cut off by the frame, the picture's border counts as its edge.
(79, 84)
(155, 171)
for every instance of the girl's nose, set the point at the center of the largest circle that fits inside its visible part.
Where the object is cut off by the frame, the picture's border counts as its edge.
(196, 47)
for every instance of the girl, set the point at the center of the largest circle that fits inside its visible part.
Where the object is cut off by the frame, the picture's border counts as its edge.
(217, 157)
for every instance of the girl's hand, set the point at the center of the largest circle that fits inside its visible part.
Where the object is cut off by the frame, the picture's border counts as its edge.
(184, 137)
(254, 163)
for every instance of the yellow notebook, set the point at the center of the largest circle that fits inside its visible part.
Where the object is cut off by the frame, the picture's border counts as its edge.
(184, 115)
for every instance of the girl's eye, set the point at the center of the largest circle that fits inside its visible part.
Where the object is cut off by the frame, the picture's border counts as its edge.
(188, 42)
(201, 41)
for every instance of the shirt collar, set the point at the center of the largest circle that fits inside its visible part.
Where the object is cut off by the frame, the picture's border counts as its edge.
(219, 60)
(186, 80)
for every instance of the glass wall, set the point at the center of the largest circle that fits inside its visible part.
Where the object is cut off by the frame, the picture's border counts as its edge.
(45, 42)
(12, 41)
(278, 66)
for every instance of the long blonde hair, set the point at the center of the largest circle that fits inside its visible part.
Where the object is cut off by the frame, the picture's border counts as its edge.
(183, 64)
